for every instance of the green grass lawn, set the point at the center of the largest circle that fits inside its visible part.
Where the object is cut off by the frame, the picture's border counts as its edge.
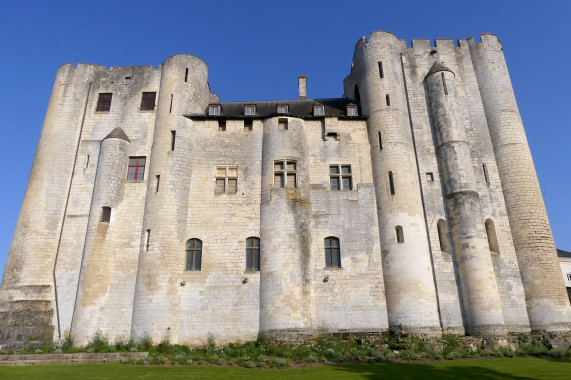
(517, 368)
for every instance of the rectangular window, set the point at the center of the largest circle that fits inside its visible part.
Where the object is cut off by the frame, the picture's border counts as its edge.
(148, 101)
(392, 183)
(136, 171)
(186, 75)
(381, 73)
(568, 276)
(158, 182)
(380, 140)
(214, 110)
(105, 214)
(283, 108)
(486, 176)
(253, 253)
(104, 102)
(222, 126)
(352, 111)
(388, 100)
(400, 234)
(340, 177)
(332, 136)
(318, 110)
(248, 124)
(147, 239)
(282, 125)
(173, 139)
(285, 174)
(226, 180)
(444, 84)
(430, 177)
(249, 109)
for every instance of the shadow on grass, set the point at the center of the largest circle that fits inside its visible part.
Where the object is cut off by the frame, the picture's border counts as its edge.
(425, 371)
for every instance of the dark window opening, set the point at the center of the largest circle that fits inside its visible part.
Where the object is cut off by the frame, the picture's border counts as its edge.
(252, 253)
(332, 252)
(430, 177)
(221, 126)
(443, 236)
(486, 176)
(380, 140)
(444, 84)
(388, 100)
(158, 177)
(334, 136)
(357, 96)
(136, 171)
(104, 102)
(186, 75)
(391, 183)
(282, 125)
(492, 237)
(173, 139)
(170, 108)
(147, 239)
(381, 73)
(148, 101)
(248, 125)
(87, 162)
(194, 254)
(105, 214)
(400, 234)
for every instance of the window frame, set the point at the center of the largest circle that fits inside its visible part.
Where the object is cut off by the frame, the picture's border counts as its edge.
(340, 176)
(352, 111)
(321, 107)
(104, 102)
(285, 173)
(227, 178)
(216, 107)
(280, 109)
(283, 124)
(105, 214)
(148, 100)
(137, 167)
(332, 249)
(193, 255)
(253, 253)
(249, 109)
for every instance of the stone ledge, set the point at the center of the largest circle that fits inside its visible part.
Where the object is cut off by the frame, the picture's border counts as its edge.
(79, 358)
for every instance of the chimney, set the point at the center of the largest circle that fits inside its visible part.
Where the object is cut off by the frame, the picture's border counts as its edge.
(302, 85)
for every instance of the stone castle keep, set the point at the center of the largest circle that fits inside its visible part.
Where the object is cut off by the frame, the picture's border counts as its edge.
(410, 204)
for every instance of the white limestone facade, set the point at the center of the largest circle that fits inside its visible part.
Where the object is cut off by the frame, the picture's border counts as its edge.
(409, 205)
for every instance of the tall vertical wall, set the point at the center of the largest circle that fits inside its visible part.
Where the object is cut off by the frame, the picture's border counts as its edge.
(482, 303)
(286, 299)
(407, 269)
(547, 303)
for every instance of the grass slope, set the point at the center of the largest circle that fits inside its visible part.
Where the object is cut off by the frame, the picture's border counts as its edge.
(484, 369)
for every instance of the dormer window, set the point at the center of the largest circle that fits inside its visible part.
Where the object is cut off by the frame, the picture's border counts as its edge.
(319, 110)
(249, 109)
(214, 110)
(283, 109)
(352, 111)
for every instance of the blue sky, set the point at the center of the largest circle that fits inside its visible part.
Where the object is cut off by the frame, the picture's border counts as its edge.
(256, 49)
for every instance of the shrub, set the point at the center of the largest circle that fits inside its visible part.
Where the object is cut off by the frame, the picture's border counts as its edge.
(100, 343)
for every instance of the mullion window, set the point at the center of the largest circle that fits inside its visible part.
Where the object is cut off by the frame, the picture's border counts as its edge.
(285, 174)
(340, 177)
(136, 170)
(148, 101)
(104, 101)
(253, 253)
(332, 252)
(194, 254)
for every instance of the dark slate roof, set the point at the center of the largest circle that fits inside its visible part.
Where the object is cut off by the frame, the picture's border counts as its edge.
(117, 133)
(302, 108)
(438, 66)
(562, 253)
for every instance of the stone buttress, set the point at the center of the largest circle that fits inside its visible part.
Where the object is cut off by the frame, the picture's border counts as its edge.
(482, 305)
(92, 310)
